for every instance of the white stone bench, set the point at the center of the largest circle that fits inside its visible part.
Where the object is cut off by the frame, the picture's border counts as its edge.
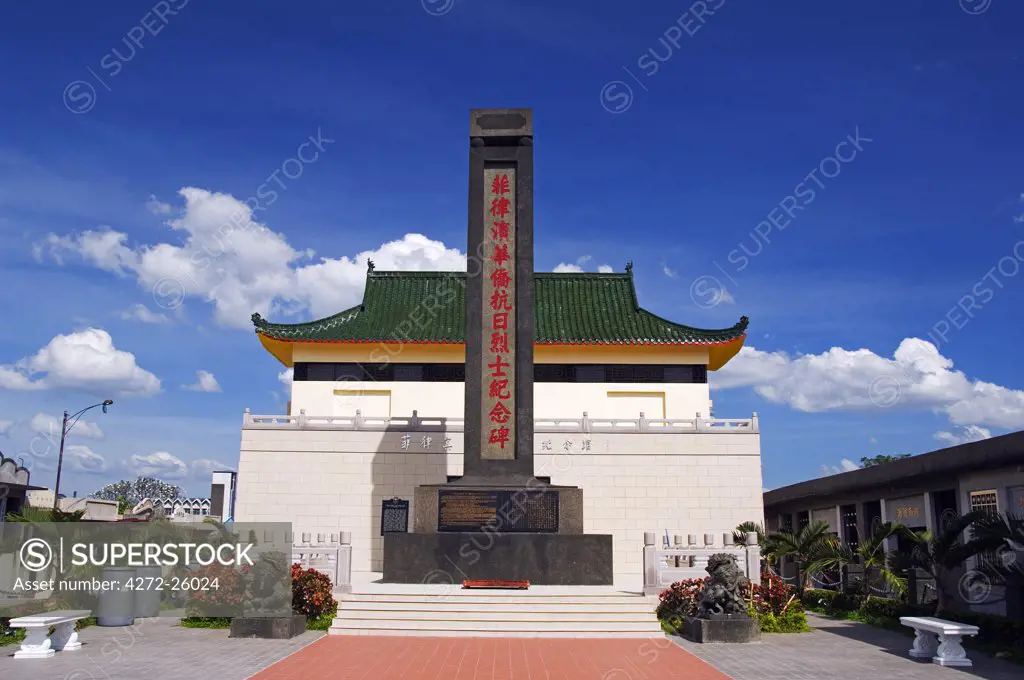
(38, 643)
(939, 639)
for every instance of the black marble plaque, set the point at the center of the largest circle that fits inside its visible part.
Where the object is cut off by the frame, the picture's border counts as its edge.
(394, 516)
(500, 510)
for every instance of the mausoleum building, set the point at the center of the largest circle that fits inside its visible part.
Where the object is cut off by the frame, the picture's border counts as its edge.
(621, 395)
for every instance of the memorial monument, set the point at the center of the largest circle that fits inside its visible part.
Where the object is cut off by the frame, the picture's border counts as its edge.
(499, 521)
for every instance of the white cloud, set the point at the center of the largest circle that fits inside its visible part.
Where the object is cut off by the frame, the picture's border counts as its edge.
(84, 360)
(204, 467)
(872, 440)
(577, 268)
(205, 382)
(566, 268)
(845, 465)
(916, 377)
(140, 312)
(77, 458)
(285, 376)
(159, 464)
(241, 266)
(963, 435)
(670, 273)
(158, 207)
(80, 458)
(5, 426)
(44, 423)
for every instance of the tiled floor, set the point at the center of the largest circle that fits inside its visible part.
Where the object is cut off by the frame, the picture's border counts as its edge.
(154, 649)
(157, 650)
(410, 658)
(840, 650)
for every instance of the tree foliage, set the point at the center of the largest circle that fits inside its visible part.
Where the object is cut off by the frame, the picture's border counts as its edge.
(870, 461)
(133, 492)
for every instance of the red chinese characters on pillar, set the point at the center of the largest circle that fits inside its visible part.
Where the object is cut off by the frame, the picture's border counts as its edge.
(498, 342)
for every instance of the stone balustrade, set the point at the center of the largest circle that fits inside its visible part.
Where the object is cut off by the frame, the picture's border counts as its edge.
(418, 423)
(665, 565)
(331, 556)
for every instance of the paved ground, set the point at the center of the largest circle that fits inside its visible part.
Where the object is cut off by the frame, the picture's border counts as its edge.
(157, 650)
(842, 650)
(451, 658)
(154, 650)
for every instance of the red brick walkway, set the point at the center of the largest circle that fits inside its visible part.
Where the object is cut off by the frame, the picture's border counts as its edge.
(453, 658)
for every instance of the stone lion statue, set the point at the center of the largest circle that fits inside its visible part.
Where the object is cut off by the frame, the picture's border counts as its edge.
(722, 593)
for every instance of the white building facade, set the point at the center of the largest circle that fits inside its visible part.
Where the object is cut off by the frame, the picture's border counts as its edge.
(622, 409)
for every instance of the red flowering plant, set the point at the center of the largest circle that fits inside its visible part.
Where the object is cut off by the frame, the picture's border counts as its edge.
(679, 600)
(214, 590)
(771, 596)
(312, 593)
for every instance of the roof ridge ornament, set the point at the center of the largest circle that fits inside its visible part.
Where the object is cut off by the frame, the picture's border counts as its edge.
(370, 266)
(629, 267)
(258, 321)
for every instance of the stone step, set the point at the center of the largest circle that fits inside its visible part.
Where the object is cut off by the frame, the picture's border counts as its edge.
(388, 631)
(491, 598)
(639, 607)
(447, 614)
(651, 626)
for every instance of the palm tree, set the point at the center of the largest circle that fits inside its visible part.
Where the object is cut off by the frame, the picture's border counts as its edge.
(941, 552)
(813, 548)
(1007, 532)
(871, 555)
(766, 544)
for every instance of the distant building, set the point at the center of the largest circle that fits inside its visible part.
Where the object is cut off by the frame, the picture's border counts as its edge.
(222, 494)
(16, 480)
(177, 509)
(921, 492)
(95, 509)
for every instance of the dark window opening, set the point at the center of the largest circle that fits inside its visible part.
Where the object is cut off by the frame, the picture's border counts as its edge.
(850, 533)
(560, 373)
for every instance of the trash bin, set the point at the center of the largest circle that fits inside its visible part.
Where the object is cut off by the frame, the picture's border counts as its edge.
(116, 606)
(147, 594)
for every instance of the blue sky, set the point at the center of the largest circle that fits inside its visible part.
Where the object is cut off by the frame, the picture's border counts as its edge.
(667, 134)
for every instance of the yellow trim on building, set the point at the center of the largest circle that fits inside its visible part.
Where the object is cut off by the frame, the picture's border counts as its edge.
(714, 356)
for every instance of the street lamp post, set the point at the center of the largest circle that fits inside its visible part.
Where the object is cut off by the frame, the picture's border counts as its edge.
(64, 429)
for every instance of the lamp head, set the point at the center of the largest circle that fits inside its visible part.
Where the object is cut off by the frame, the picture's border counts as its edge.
(106, 403)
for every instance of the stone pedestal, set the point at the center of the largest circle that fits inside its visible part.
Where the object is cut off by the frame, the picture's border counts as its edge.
(724, 628)
(269, 627)
(515, 509)
(541, 559)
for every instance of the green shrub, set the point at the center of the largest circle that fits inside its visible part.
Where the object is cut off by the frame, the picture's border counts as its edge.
(322, 623)
(793, 620)
(883, 608)
(8, 635)
(206, 622)
(832, 602)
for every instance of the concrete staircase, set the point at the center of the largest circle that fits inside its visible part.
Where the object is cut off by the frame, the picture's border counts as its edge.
(492, 613)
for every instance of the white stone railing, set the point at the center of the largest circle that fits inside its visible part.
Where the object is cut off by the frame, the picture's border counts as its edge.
(332, 557)
(664, 566)
(418, 423)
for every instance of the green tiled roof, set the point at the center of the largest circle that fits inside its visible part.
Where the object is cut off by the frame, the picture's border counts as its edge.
(430, 307)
